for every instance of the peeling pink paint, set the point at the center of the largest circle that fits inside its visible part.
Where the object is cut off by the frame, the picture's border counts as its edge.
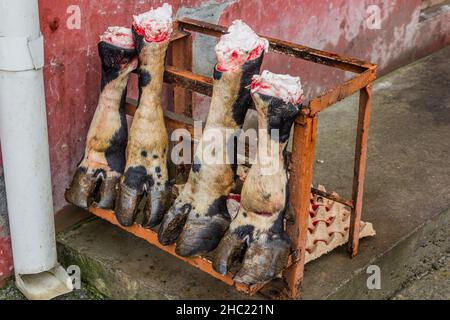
(340, 26)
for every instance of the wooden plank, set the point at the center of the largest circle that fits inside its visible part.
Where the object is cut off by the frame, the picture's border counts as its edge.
(299, 190)
(365, 106)
(285, 47)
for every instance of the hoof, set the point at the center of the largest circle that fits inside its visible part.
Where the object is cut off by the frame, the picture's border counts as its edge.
(201, 234)
(108, 191)
(81, 188)
(126, 205)
(158, 203)
(264, 260)
(173, 223)
(231, 249)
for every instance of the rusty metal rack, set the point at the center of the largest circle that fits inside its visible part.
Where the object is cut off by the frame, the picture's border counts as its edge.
(183, 81)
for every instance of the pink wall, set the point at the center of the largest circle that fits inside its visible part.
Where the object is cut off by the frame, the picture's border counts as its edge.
(72, 73)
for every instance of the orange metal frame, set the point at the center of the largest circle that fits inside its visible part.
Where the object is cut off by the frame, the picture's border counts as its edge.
(179, 74)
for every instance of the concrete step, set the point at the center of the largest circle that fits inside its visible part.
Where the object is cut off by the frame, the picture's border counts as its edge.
(407, 198)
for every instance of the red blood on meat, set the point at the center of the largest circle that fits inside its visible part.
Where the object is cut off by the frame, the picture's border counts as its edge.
(236, 197)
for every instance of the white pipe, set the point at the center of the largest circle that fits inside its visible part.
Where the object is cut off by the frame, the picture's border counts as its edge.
(24, 138)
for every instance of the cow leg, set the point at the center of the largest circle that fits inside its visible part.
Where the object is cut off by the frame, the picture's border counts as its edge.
(148, 141)
(104, 156)
(199, 218)
(264, 197)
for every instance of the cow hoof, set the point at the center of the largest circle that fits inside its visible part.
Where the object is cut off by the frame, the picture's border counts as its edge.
(201, 234)
(126, 205)
(158, 203)
(230, 250)
(81, 188)
(108, 191)
(173, 223)
(264, 260)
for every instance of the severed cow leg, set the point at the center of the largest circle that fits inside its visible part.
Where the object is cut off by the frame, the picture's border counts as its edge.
(146, 166)
(104, 156)
(199, 217)
(257, 233)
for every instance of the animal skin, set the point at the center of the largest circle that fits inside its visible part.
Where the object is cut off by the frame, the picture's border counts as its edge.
(104, 156)
(199, 217)
(257, 233)
(146, 167)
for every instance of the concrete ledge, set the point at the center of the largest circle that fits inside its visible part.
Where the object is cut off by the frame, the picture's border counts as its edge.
(121, 266)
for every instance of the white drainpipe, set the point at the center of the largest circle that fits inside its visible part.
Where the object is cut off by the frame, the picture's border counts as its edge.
(24, 143)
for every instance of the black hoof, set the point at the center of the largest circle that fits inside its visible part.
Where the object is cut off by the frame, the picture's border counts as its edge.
(264, 260)
(126, 205)
(108, 191)
(230, 250)
(158, 204)
(201, 234)
(81, 188)
(173, 223)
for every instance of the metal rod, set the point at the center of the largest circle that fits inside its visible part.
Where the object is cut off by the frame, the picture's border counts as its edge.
(285, 47)
(341, 92)
(204, 85)
(365, 105)
(299, 190)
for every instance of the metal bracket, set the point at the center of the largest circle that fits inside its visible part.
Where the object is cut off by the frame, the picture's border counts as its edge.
(45, 285)
(21, 53)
